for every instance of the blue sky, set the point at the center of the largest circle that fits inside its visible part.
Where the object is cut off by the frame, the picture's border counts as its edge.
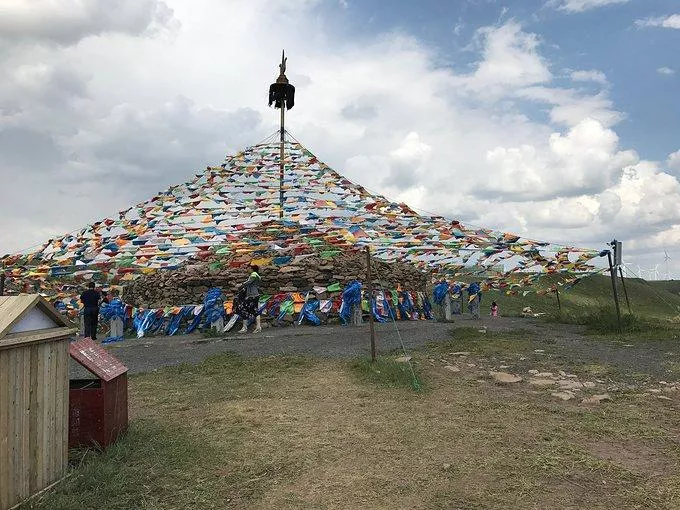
(604, 38)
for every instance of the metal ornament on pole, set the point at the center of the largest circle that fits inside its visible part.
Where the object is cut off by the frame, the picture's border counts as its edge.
(282, 95)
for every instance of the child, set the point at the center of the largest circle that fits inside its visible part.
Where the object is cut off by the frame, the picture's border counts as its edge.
(494, 309)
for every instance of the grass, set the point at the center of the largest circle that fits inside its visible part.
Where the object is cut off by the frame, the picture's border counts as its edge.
(660, 300)
(603, 320)
(292, 432)
(387, 372)
(489, 343)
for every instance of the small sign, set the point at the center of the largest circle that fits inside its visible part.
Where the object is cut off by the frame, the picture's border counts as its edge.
(618, 259)
(96, 359)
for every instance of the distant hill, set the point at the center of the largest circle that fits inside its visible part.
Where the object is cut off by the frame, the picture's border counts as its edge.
(672, 286)
(653, 299)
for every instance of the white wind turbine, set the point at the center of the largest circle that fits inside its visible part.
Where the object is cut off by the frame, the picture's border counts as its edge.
(629, 269)
(666, 258)
(656, 272)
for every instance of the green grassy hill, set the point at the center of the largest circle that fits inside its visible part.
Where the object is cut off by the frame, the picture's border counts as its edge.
(651, 299)
(672, 286)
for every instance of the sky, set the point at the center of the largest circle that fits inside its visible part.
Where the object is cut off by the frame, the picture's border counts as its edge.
(554, 119)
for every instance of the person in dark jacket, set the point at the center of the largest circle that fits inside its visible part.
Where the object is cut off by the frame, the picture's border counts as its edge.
(90, 300)
(251, 298)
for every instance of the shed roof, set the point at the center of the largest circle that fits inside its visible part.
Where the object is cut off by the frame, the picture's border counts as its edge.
(30, 318)
(96, 359)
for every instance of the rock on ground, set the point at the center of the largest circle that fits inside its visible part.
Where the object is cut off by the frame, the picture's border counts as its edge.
(505, 378)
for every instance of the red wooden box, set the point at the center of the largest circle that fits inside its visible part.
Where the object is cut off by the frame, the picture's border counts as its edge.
(98, 408)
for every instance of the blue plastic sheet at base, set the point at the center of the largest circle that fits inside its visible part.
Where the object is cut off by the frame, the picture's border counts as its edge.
(213, 306)
(439, 293)
(376, 314)
(194, 323)
(143, 321)
(176, 321)
(351, 297)
(427, 309)
(308, 312)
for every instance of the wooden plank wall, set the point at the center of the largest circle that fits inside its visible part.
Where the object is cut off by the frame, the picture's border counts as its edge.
(33, 418)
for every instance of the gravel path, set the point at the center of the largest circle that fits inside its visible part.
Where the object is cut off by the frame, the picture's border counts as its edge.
(567, 341)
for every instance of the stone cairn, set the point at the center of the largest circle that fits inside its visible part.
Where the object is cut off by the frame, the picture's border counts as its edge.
(189, 284)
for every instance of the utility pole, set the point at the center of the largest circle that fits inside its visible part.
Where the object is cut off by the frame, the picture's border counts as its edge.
(282, 96)
(559, 304)
(625, 292)
(369, 286)
(612, 272)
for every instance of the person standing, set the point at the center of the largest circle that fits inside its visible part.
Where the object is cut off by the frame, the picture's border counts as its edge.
(90, 300)
(251, 301)
(474, 298)
(494, 309)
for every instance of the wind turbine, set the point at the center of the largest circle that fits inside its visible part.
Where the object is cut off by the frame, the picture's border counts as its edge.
(666, 258)
(629, 269)
(656, 272)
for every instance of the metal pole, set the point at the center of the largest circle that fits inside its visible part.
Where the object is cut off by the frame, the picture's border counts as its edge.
(625, 292)
(559, 304)
(281, 155)
(2, 284)
(616, 296)
(369, 285)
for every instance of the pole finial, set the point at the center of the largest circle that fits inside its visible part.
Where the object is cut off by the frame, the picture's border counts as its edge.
(282, 69)
(281, 92)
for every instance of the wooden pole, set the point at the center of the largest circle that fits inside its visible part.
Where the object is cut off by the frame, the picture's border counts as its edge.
(625, 292)
(281, 156)
(612, 272)
(369, 285)
(559, 304)
(2, 284)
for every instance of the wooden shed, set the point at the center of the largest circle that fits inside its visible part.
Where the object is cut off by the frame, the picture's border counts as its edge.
(34, 359)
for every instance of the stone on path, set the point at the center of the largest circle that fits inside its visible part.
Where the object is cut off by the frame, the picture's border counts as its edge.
(451, 368)
(460, 353)
(504, 377)
(588, 384)
(541, 382)
(533, 372)
(571, 385)
(663, 397)
(403, 359)
(544, 374)
(563, 395)
(595, 399)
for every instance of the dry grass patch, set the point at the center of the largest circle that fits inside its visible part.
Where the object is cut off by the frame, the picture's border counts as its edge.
(294, 433)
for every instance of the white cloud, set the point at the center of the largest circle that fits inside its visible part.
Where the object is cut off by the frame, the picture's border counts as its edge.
(582, 5)
(85, 137)
(674, 161)
(583, 161)
(569, 106)
(671, 21)
(68, 21)
(510, 60)
(594, 76)
(665, 70)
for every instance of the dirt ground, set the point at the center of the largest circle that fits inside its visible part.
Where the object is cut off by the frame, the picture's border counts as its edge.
(659, 357)
(269, 431)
